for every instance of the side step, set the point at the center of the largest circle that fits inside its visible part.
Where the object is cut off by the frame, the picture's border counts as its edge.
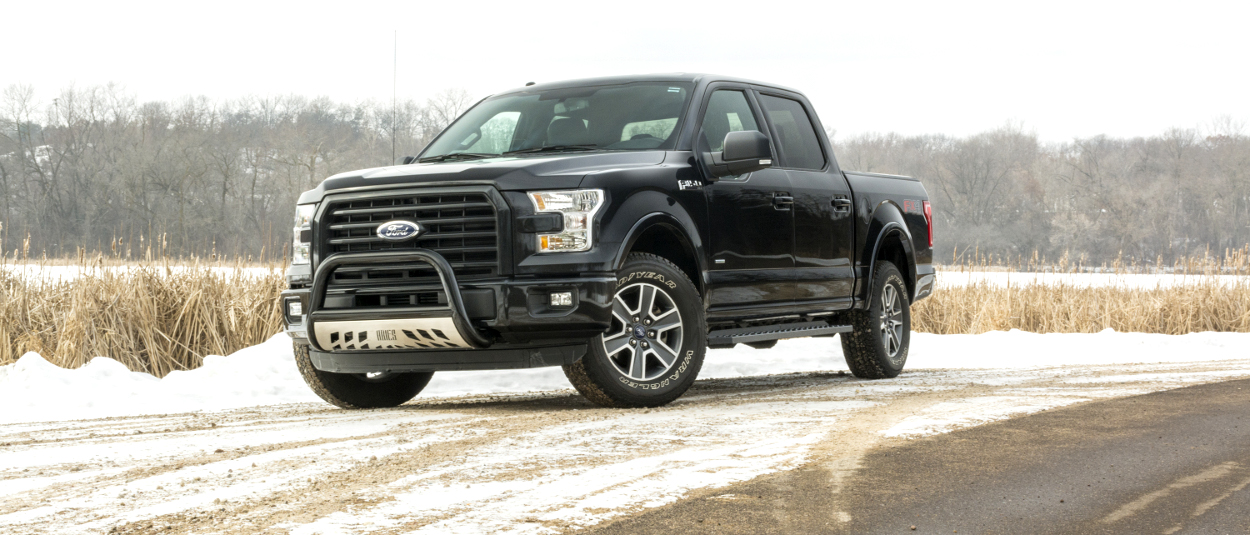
(728, 337)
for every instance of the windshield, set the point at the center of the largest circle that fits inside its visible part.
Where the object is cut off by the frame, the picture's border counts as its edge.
(633, 116)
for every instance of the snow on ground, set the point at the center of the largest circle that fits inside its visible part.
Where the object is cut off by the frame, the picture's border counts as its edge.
(241, 446)
(33, 390)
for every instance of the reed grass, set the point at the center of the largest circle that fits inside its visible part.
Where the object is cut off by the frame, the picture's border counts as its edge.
(159, 314)
(150, 316)
(1206, 305)
(1206, 301)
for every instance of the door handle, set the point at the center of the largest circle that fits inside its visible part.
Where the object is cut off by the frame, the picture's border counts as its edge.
(782, 201)
(841, 203)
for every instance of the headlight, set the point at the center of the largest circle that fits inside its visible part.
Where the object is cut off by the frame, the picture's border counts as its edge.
(579, 208)
(301, 244)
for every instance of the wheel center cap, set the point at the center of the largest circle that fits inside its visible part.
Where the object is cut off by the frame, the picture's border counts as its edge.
(640, 332)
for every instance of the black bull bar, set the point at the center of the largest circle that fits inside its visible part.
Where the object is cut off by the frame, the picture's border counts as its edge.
(454, 311)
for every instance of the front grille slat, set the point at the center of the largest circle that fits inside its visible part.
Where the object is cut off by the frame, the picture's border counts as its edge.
(463, 227)
(424, 238)
(420, 220)
(346, 270)
(394, 209)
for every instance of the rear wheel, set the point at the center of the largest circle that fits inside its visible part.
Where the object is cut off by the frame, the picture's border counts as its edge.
(654, 349)
(360, 390)
(877, 348)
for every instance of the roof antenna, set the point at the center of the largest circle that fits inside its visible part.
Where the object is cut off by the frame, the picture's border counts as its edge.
(394, 92)
(527, 84)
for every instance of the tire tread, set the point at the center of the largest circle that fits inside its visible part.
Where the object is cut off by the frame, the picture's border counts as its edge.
(347, 392)
(861, 347)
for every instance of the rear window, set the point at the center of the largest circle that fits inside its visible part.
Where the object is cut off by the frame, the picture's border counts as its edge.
(659, 129)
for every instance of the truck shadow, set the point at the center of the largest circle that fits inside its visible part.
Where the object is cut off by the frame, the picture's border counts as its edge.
(703, 391)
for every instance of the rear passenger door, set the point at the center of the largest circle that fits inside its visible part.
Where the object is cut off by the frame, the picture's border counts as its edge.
(824, 229)
(750, 222)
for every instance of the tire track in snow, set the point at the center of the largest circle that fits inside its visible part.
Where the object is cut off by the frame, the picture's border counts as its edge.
(522, 463)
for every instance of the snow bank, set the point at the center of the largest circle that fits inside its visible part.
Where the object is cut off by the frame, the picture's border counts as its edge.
(34, 390)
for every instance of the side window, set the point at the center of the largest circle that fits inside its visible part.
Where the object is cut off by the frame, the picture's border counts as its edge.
(495, 136)
(795, 133)
(727, 111)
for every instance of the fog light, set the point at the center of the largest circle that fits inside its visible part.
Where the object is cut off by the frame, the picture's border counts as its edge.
(294, 308)
(562, 299)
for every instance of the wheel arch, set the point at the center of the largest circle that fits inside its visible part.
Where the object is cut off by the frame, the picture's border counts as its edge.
(889, 240)
(664, 235)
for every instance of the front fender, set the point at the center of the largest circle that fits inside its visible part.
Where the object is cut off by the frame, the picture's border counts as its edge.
(651, 208)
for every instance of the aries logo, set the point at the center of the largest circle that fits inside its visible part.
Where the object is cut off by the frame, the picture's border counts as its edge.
(388, 334)
(398, 230)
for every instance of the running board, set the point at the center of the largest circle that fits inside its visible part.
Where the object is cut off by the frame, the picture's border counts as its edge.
(728, 337)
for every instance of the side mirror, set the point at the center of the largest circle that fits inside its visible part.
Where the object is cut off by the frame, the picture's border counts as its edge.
(745, 152)
(409, 159)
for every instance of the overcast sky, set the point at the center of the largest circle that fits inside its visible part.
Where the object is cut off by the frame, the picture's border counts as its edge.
(1060, 69)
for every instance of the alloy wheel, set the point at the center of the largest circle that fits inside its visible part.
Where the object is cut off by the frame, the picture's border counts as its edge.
(646, 334)
(891, 321)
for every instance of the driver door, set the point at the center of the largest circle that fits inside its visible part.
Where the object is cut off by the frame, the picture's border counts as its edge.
(750, 217)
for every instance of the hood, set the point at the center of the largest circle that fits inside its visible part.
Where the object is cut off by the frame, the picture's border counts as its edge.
(559, 171)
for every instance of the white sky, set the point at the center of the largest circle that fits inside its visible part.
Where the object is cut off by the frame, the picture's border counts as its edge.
(1062, 69)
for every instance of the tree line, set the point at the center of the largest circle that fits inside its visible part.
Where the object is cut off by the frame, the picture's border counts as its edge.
(1182, 193)
(96, 169)
(93, 168)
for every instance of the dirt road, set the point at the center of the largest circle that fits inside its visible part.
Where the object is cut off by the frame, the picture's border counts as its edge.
(1176, 461)
(551, 463)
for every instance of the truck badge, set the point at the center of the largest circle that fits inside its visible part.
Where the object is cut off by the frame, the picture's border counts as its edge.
(398, 230)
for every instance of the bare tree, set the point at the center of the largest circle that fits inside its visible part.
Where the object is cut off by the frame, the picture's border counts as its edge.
(91, 165)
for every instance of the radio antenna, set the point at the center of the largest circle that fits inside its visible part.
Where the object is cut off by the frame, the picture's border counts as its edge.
(394, 92)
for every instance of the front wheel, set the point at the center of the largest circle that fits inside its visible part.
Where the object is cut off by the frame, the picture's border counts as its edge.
(654, 349)
(360, 390)
(877, 348)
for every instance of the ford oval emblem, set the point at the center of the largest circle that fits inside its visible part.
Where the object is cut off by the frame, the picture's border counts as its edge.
(398, 230)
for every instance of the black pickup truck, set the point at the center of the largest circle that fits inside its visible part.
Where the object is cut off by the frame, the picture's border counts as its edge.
(617, 227)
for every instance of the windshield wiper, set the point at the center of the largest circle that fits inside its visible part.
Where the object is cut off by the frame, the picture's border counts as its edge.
(457, 156)
(553, 148)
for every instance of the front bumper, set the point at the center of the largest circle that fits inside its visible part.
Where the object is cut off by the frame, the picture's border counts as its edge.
(432, 361)
(493, 324)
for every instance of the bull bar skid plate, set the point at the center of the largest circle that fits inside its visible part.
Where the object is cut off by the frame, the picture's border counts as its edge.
(420, 328)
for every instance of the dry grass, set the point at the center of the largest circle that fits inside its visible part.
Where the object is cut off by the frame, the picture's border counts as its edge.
(152, 317)
(1232, 262)
(1204, 303)
(162, 315)
(1067, 308)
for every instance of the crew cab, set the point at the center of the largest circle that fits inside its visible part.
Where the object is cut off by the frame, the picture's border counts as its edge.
(617, 227)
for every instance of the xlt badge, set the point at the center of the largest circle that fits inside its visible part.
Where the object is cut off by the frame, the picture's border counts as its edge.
(398, 230)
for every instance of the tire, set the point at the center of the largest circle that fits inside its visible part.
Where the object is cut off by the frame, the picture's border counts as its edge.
(623, 369)
(358, 390)
(877, 348)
